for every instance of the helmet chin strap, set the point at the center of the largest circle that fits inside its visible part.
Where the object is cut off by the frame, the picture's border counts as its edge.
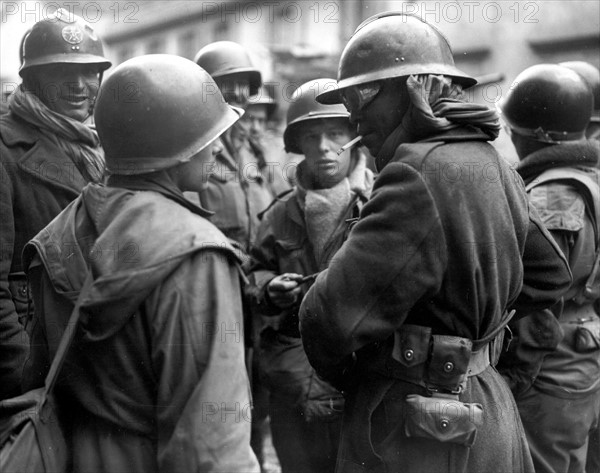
(93, 102)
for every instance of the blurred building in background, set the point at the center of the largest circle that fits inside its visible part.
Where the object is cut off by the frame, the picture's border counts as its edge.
(295, 41)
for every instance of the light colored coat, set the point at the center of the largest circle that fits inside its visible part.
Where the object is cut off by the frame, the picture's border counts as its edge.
(155, 380)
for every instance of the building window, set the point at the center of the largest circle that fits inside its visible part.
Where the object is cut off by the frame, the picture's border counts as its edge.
(187, 44)
(222, 32)
(156, 46)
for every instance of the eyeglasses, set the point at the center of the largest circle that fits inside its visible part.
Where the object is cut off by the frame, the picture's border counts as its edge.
(357, 97)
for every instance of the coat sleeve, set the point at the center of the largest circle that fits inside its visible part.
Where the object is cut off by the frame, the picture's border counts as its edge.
(203, 403)
(546, 273)
(539, 332)
(265, 266)
(394, 256)
(14, 344)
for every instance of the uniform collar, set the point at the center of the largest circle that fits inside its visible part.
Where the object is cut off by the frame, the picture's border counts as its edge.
(570, 154)
(43, 159)
(15, 130)
(161, 183)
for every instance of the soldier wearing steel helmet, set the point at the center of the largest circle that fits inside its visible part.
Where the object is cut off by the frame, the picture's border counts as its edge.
(242, 183)
(151, 383)
(260, 112)
(553, 365)
(297, 237)
(591, 75)
(240, 187)
(47, 155)
(260, 109)
(408, 318)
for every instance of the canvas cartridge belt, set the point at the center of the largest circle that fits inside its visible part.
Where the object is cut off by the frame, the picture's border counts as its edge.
(439, 363)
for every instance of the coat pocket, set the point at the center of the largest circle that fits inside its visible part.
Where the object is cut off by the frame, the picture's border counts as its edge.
(291, 254)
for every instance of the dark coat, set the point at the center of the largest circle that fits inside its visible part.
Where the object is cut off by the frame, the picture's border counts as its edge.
(448, 241)
(238, 189)
(37, 182)
(155, 378)
(305, 410)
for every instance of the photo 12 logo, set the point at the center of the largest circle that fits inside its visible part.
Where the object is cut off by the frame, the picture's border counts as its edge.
(254, 12)
(91, 12)
(471, 12)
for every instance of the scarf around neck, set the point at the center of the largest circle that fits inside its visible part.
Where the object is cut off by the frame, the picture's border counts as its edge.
(78, 141)
(436, 105)
(324, 209)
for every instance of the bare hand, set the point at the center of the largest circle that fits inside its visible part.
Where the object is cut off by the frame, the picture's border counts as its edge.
(284, 289)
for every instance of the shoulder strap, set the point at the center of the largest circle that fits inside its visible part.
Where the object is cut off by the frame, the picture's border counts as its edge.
(278, 198)
(67, 338)
(506, 318)
(587, 182)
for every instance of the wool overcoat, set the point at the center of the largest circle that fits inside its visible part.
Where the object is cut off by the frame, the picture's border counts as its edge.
(447, 241)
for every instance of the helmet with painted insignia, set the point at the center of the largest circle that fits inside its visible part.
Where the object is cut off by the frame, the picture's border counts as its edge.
(64, 38)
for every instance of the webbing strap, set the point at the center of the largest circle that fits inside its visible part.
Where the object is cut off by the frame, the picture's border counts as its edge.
(589, 181)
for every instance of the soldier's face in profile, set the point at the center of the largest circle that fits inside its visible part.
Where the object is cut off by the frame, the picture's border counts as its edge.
(193, 175)
(319, 141)
(68, 89)
(376, 120)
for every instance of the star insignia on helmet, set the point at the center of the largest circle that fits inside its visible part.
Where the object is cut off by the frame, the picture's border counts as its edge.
(72, 34)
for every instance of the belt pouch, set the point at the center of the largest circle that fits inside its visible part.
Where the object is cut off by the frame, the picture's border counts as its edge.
(448, 363)
(442, 418)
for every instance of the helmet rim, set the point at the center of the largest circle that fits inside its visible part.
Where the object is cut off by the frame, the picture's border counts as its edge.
(392, 45)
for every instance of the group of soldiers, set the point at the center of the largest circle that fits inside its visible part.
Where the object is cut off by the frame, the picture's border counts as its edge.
(403, 322)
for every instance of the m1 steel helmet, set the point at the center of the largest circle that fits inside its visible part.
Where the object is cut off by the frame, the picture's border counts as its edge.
(62, 38)
(548, 103)
(158, 110)
(263, 97)
(305, 107)
(394, 44)
(591, 75)
(227, 58)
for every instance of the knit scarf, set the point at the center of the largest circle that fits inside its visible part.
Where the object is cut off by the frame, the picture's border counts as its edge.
(436, 105)
(324, 209)
(78, 141)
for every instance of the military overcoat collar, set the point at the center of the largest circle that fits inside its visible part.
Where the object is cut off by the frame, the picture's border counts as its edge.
(41, 159)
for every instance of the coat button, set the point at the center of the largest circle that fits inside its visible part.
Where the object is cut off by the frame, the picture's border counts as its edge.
(448, 366)
(444, 424)
(23, 290)
(409, 354)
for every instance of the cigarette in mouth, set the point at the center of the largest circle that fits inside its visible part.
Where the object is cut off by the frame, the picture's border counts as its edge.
(349, 144)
